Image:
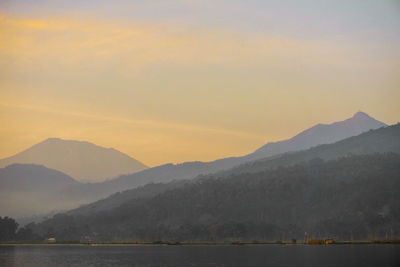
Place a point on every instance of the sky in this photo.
(185, 80)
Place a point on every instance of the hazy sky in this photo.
(174, 81)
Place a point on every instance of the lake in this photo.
(230, 256)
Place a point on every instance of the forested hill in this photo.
(40, 199)
(189, 170)
(354, 195)
(385, 139)
(380, 140)
(320, 134)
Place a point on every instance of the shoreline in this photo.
(191, 244)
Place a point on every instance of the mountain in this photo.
(170, 176)
(82, 160)
(383, 140)
(352, 196)
(320, 134)
(27, 189)
(87, 162)
(316, 135)
(189, 170)
(30, 177)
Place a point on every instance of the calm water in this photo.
(186, 256)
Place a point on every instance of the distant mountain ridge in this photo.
(28, 188)
(82, 160)
(384, 140)
(320, 134)
(381, 140)
(352, 196)
(91, 163)
(22, 177)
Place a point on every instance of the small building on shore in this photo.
(329, 241)
(51, 240)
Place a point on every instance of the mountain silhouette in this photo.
(320, 134)
(28, 188)
(354, 195)
(83, 161)
(381, 140)
(384, 140)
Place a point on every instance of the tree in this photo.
(8, 226)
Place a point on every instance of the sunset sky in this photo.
(184, 80)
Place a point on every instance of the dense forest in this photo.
(376, 141)
(9, 231)
(351, 197)
(382, 140)
(35, 190)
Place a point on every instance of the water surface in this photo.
(185, 256)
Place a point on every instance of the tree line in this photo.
(351, 197)
(10, 232)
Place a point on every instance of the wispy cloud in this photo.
(94, 43)
(165, 81)
(149, 123)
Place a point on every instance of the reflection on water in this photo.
(231, 256)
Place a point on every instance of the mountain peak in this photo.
(79, 159)
(53, 139)
(361, 116)
(321, 134)
(56, 140)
